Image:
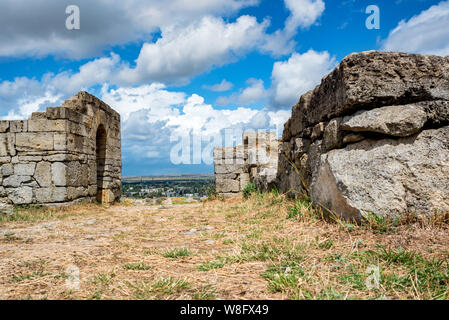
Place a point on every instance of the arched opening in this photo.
(101, 161)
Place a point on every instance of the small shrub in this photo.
(249, 189)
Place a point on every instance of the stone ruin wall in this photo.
(372, 138)
(53, 157)
(254, 161)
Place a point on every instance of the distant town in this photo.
(188, 186)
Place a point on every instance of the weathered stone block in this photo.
(18, 126)
(34, 141)
(44, 125)
(227, 185)
(23, 195)
(43, 174)
(400, 121)
(4, 125)
(387, 177)
(7, 142)
(51, 194)
(7, 169)
(59, 173)
(333, 137)
(16, 180)
(24, 169)
(373, 79)
(73, 176)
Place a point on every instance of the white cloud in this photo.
(183, 51)
(426, 33)
(160, 103)
(152, 114)
(303, 13)
(224, 85)
(29, 105)
(299, 74)
(37, 28)
(254, 92)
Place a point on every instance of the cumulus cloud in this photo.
(156, 115)
(224, 85)
(254, 92)
(304, 13)
(37, 28)
(159, 102)
(299, 74)
(181, 52)
(426, 33)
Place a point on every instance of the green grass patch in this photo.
(178, 253)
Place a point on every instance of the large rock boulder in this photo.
(373, 137)
(387, 177)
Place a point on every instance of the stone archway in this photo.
(101, 162)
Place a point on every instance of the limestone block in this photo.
(6, 159)
(16, 180)
(24, 169)
(43, 174)
(59, 173)
(34, 141)
(227, 185)
(23, 195)
(387, 177)
(78, 129)
(18, 126)
(50, 194)
(76, 192)
(400, 121)
(92, 172)
(24, 158)
(44, 125)
(383, 78)
(4, 125)
(230, 168)
(7, 142)
(60, 141)
(317, 131)
(73, 176)
(38, 116)
(333, 137)
(7, 169)
(92, 190)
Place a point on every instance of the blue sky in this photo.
(186, 68)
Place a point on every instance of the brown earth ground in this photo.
(265, 247)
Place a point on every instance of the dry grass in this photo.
(265, 247)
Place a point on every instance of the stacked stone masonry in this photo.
(65, 154)
(372, 138)
(254, 161)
